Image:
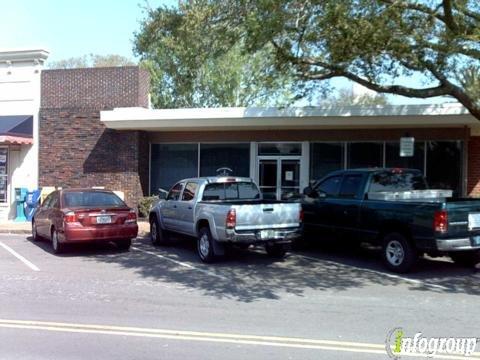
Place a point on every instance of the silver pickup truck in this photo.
(225, 210)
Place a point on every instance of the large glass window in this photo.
(280, 149)
(393, 159)
(365, 155)
(233, 156)
(171, 163)
(325, 158)
(444, 165)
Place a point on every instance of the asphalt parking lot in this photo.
(162, 302)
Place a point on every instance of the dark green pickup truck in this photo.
(395, 209)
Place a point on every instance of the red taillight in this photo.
(131, 217)
(231, 219)
(300, 216)
(70, 217)
(440, 221)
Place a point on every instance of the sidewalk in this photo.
(12, 227)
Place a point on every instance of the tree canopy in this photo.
(190, 67)
(380, 44)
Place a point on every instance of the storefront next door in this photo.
(279, 176)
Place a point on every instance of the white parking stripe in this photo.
(20, 257)
(189, 266)
(391, 276)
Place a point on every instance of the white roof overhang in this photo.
(208, 119)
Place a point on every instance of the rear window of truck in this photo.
(231, 191)
(397, 181)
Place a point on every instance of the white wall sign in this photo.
(407, 146)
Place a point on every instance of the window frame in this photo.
(182, 197)
(317, 186)
(181, 183)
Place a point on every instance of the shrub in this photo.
(145, 204)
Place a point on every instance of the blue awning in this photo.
(16, 125)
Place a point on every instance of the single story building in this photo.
(97, 129)
(19, 108)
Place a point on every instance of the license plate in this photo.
(104, 219)
(267, 234)
(473, 221)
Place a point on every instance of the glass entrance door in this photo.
(279, 177)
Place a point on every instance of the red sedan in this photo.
(84, 215)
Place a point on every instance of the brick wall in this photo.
(76, 149)
(473, 176)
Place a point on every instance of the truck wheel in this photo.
(466, 258)
(57, 246)
(398, 254)
(124, 244)
(205, 246)
(158, 236)
(276, 251)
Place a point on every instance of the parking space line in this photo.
(391, 276)
(19, 257)
(186, 265)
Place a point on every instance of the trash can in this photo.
(31, 203)
(20, 197)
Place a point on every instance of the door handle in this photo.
(174, 206)
(189, 208)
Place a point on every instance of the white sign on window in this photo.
(407, 146)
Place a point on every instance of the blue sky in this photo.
(76, 28)
(72, 28)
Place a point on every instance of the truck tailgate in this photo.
(267, 216)
(463, 216)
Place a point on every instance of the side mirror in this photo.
(162, 194)
(310, 192)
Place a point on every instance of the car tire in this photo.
(124, 244)
(398, 253)
(57, 246)
(276, 251)
(205, 246)
(35, 236)
(466, 258)
(158, 236)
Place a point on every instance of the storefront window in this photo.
(233, 156)
(325, 158)
(444, 165)
(171, 163)
(364, 155)
(267, 149)
(393, 159)
(3, 174)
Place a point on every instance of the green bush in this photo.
(145, 204)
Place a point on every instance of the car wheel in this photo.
(466, 258)
(57, 246)
(205, 246)
(398, 254)
(276, 251)
(35, 236)
(124, 244)
(158, 236)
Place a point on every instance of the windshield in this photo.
(231, 191)
(92, 199)
(397, 180)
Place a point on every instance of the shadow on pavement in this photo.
(249, 275)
